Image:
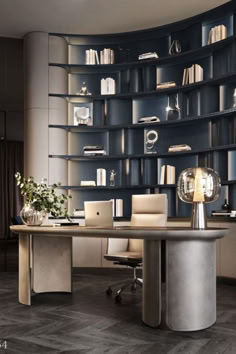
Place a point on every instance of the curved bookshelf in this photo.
(205, 118)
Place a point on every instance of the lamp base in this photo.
(198, 220)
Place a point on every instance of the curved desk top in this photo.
(146, 233)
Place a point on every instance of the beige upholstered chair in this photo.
(147, 210)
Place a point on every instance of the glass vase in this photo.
(32, 217)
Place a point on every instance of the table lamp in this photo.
(198, 185)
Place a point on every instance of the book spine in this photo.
(119, 207)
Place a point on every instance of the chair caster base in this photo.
(109, 291)
(118, 299)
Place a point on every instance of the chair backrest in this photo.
(147, 210)
(98, 213)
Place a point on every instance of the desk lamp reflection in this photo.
(198, 186)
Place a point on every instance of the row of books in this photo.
(93, 150)
(192, 74)
(217, 33)
(106, 56)
(117, 207)
(167, 175)
(108, 86)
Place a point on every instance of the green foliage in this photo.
(43, 197)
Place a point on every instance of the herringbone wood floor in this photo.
(90, 322)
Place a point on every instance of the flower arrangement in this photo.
(43, 197)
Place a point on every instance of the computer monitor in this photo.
(98, 213)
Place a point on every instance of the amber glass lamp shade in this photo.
(198, 185)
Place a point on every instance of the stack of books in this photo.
(101, 177)
(217, 33)
(91, 57)
(88, 183)
(192, 74)
(177, 148)
(117, 207)
(149, 55)
(108, 86)
(163, 85)
(107, 56)
(167, 174)
(93, 150)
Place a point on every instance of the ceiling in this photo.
(18, 17)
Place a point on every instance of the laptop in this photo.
(98, 213)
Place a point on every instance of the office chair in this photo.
(147, 210)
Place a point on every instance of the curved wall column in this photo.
(36, 104)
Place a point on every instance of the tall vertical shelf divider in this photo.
(205, 102)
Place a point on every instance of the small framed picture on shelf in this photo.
(83, 114)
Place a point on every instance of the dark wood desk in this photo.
(45, 265)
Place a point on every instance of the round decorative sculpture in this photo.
(32, 217)
(198, 186)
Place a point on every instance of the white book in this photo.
(103, 87)
(162, 176)
(214, 35)
(191, 74)
(113, 207)
(96, 56)
(112, 56)
(119, 207)
(210, 36)
(223, 32)
(106, 59)
(218, 33)
(184, 77)
(87, 57)
(198, 73)
(102, 56)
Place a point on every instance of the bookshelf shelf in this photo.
(206, 118)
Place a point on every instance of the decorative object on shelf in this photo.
(173, 109)
(217, 33)
(152, 119)
(101, 177)
(84, 91)
(88, 183)
(112, 178)
(198, 185)
(151, 137)
(40, 200)
(192, 74)
(149, 55)
(108, 86)
(92, 150)
(234, 98)
(175, 47)
(107, 56)
(83, 114)
(180, 147)
(165, 85)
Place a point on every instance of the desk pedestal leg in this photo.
(52, 264)
(190, 285)
(152, 283)
(24, 270)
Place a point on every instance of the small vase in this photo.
(32, 217)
